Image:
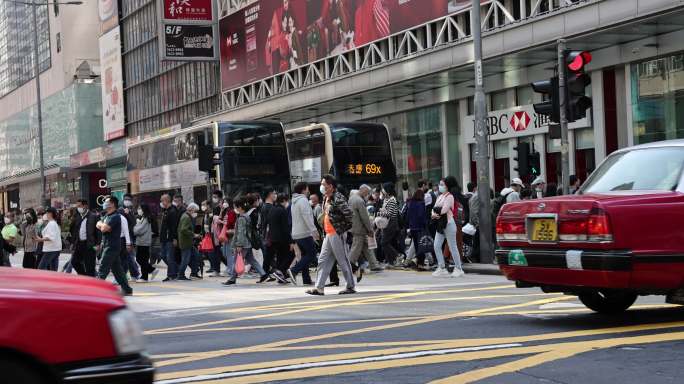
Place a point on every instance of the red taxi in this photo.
(619, 237)
(57, 328)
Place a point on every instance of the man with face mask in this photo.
(110, 226)
(85, 239)
(168, 235)
(281, 240)
(361, 229)
(186, 235)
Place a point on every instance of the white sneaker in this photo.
(154, 274)
(457, 273)
(440, 272)
(140, 280)
(214, 274)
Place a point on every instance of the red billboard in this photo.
(273, 36)
(188, 10)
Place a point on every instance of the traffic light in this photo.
(209, 157)
(523, 159)
(534, 164)
(576, 80)
(550, 107)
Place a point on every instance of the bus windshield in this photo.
(254, 157)
(363, 153)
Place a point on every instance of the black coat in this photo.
(279, 224)
(92, 234)
(168, 230)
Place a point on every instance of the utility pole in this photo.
(482, 142)
(562, 97)
(39, 106)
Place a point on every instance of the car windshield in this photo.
(649, 169)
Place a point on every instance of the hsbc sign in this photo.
(514, 122)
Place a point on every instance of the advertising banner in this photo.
(273, 36)
(112, 85)
(170, 176)
(188, 10)
(514, 122)
(109, 15)
(189, 42)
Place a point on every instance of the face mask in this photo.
(442, 189)
(140, 212)
(215, 200)
(174, 204)
(162, 205)
(193, 215)
(204, 208)
(81, 210)
(45, 217)
(105, 206)
(225, 205)
(128, 203)
(7, 220)
(322, 189)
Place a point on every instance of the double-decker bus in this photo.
(254, 158)
(355, 153)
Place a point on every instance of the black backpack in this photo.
(498, 203)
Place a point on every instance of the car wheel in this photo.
(608, 302)
(14, 371)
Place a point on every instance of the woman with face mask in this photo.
(143, 242)
(447, 228)
(223, 225)
(391, 235)
(28, 229)
(51, 238)
(9, 235)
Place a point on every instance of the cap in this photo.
(538, 180)
(517, 181)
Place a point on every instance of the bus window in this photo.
(307, 155)
(363, 153)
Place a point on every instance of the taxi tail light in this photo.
(510, 229)
(595, 227)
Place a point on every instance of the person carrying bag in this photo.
(447, 220)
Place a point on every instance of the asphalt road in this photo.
(403, 327)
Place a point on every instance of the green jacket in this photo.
(185, 231)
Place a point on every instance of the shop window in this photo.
(499, 100)
(502, 165)
(585, 160)
(658, 99)
(524, 95)
(471, 105)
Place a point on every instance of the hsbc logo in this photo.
(520, 121)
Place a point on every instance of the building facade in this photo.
(71, 104)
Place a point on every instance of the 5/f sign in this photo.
(189, 42)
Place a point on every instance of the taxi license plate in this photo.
(544, 230)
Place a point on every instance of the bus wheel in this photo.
(608, 302)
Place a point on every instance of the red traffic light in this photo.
(577, 60)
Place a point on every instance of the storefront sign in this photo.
(306, 170)
(109, 15)
(110, 151)
(273, 36)
(188, 10)
(170, 176)
(514, 122)
(112, 85)
(188, 42)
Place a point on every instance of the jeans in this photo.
(215, 259)
(111, 261)
(308, 248)
(249, 258)
(50, 261)
(169, 257)
(450, 236)
(187, 259)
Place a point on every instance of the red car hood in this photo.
(16, 282)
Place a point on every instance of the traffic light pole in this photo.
(562, 97)
(482, 145)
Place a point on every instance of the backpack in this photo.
(498, 203)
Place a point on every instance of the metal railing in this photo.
(399, 46)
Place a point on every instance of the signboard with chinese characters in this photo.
(189, 42)
(187, 30)
(363, 169)
(514, 122)
(188, 10)
(112, 85)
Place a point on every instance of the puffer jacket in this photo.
(339, 213)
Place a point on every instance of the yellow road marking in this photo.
(545, 353)
(319, 307)
(511, 306)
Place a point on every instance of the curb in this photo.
(482, 269)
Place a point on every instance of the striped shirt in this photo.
(392, 207)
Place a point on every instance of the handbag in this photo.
(239, 263)
(469, 229)
(381, 222)
(207, 244)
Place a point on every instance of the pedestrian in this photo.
(51, 238)
(128, 262)
(417, 223)
(575, 184)
(186, 236)
(316, 206)
(262, 224)
(224, 229)
(28, 230)
(391, 234)
(40, 213)
(474, 220)
(168, 236)
(304, 233)
(280, 238)
(444, 210)
(9, 236)
(337, 220)
(85, 239)
(143, 242)
(361, 229)
(110, 226)
(241, 243)
(538, 186)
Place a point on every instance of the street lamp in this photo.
(36, 71)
